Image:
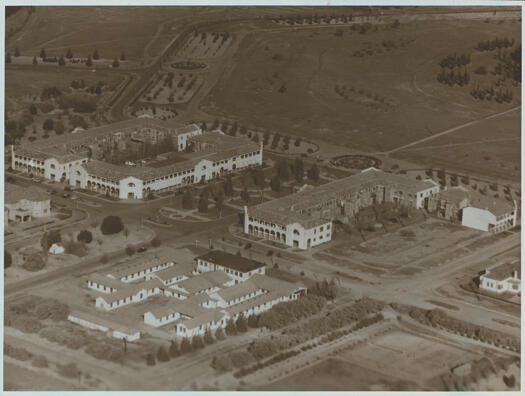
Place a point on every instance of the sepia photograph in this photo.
(262, 198)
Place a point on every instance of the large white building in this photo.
(304, 219)
(75, 159)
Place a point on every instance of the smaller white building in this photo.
(503, 278)
(487, 214)
(237, 267)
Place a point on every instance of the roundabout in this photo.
(355, 161)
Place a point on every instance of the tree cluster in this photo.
(437, 317)
(491, 45)
(453, 77)
(500, 95)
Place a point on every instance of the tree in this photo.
(43, 53)
(174, 349)
(61, 61)
(33, 109)
(208, 337)
(298, 169)
(155, 242)
(69, 53)
(162, 354)
(115, 63)
(297, 142)
(49, 238)
(59, 128)
(253, 321)
(96, 55)
(85, 236)
(123, 56)
(8, 260)
(275, 140)
(314, 173)
(219, 334)
(186, 346)
(150, 360)
(187, 200)
(228, 186)
(258, 178)
(130, 250)
(245, 195)
(203, 202)
(275, 183)
(89, 62)
(241, 324)
(48, 124)
(197, 342)
(111, 225)
(222, 364)
(231, 328)
(35, 262)
(283, 170)
(17, 52)
(35, 62)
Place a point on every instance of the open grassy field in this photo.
(492, 148)
(338, 375)
(286, 80)
(111, 30)
(31, 80)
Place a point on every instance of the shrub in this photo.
(222, 363)
(130, 250)
(39, 361)
(241, 358)
(174, 349)
(219, 334)
(150, 360)
(111, 225)
(52, 309)
(155, 242)
(162, 355)
(8, 260)
(17, 353)
(85, 236)
(186, 346)
(197, 342)
(35, 262)
(208, 337)
(69, 370)
(75, 248)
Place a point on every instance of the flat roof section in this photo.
(231, 261)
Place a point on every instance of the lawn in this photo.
(491, 148)
(338, 375)
(286, 81)
(110, 30)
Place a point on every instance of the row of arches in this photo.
(28, 168)
(102, 188)
(267, 233)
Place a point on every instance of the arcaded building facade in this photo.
(76, 158)
(304, 219)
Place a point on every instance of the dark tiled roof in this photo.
(504, 271)
(15, 193)
(231, 261)
(286, 210)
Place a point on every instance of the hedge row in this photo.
(328, 338)
(437, 317)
